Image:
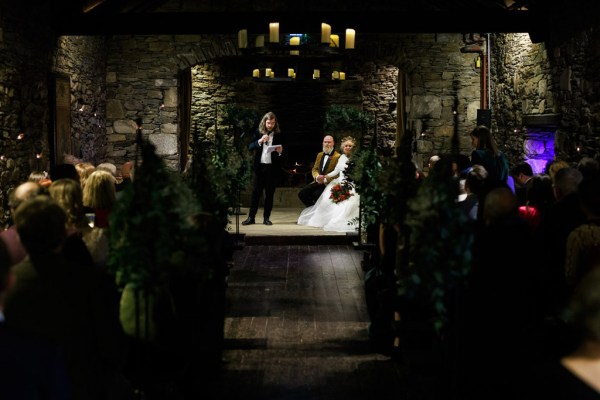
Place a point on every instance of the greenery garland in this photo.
(440, 246)
(150, 229)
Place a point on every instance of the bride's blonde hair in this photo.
(347, 139)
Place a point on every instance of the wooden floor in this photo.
(297, 328)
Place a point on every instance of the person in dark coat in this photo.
(268, 148)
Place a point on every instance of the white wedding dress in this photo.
(334, 217)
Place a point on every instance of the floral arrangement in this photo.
(340, 192)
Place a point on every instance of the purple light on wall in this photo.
(539, 148)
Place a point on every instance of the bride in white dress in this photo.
(326, 214)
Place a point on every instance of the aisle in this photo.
(296, 328)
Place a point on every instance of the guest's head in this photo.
(68, 194)
(588, 167)
(432, 160)
(521, 172)
(40, 223)
(108, 167)
(553, 167)
(566, 181)
(41, 177)
(84, 169)
(127, 170)
(500, 205)
(481, 139)
(475, 182)
(347, 146)
(99, 190)
(589, 196)
(24, 191)
(539, 192)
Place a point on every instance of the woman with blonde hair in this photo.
(99, 195)
(337, 207)
(84, 169)
(68, 194)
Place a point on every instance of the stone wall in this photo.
(26, 48)
(118, 80)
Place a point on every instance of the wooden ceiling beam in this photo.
(232, 22)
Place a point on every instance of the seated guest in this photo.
(21, 193)
(522, 174)
(84, 169)
(59, 301)
(99, 196)
(31, 369)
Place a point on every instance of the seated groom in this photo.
(324, 164)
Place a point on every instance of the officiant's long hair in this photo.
(270, 115)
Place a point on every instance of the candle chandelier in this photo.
(287, 57)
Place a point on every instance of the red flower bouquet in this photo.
(340, 192)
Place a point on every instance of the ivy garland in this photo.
(440, 246)
(150, 229)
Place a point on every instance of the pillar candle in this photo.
(291, 72)
(267, 72)
(316, 74)
(342, 76)
(243, 38)
(255, 73)
(335, 75)
(295, 41)
(260, 41)
(334, 41)
(274, 32)
(325, 32)
(350, 36)
(272, 74)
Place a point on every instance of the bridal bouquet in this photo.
(340, 192)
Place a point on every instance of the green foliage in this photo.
(208, 176)
(362, 171)
(397, 183)
(150, 230)
(239, 120)
(440, 246)
(349, 120)
(221, 168)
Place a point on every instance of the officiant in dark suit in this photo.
(267, 145)
(324, 163)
